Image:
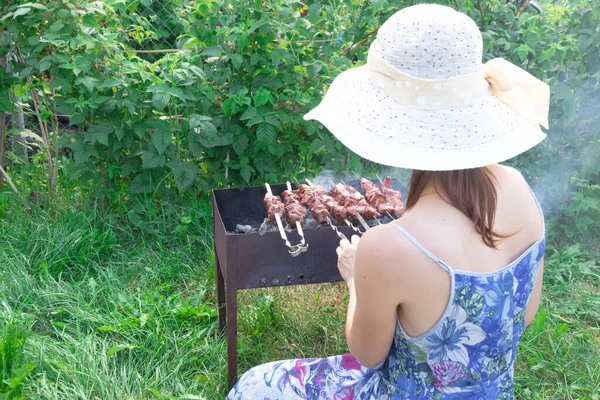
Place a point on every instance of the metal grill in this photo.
(254, 260)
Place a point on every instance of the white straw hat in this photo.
(425, 100)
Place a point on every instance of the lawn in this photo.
(95, 304)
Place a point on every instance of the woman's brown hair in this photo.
(471, 191)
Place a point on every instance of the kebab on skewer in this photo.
(394, 197)
(334, 209)
(375, 197)
(355, 203)
(309, 197)
(296, 213)
(275, 211)
(339, 212)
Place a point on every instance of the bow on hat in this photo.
(519, 90)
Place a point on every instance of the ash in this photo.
(383, 220)
(244, 229)
(309, 223)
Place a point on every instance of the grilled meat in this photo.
(293, 207)
(274, 206)
(375, 197)
(354, 202)
(394, 197)
(309, 197)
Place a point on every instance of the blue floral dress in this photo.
(469, 353)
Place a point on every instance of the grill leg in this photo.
(231, 300)
(221, 306)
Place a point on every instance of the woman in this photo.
(439, 299)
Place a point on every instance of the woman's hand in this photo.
(346, 253)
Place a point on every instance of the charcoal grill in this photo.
(252, 260)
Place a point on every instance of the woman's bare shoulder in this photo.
(390, 251)
(516, 207)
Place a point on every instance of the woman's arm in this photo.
(374, 291)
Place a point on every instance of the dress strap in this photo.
(424, 249)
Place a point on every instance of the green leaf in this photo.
(262, 97)
(184, 173)
(227, 107)
(212, 51)
(107, 328)
(241, 144)
(151, 159)
(246, 173)
(140, 130)
(89, 21)
(77, 119)
(99, 133)
(255, 59)
(119, 133)
(118, 347)
(160, 100)
(196, 149)
(141, 184)
(237, 60)
(196, 120)
(266, 132)
(18, 377)
(255, 120)
(21, 11)
(273, 120)
(44, 65)
(57, 26)
(249, 113)
(25, 72)
(161, 140)
(203, 127)
(216, 140)
(87, 81)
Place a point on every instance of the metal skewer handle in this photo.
(335, 228)
(294, 250)
(302, 244)
(345, 220)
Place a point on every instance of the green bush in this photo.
(226, 108)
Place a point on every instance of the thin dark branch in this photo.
(521, 11)
(523, 7)
(8, 180)
(482, 13)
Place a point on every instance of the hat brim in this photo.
(380, 128)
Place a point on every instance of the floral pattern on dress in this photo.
(468, 354)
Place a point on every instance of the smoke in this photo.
(373, 172)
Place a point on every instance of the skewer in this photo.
(390, 215)
(302, 244)
(355, 229)
(293, 250)
(340, 234)
(358, 216)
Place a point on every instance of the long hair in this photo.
(471, 191)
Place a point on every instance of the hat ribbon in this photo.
(519, 90)
(516, 88)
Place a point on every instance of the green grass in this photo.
(101, 305)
